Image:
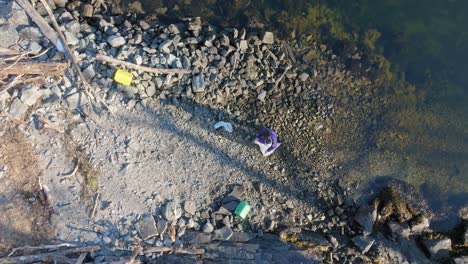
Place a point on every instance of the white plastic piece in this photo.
(264, 148)
(60, 46)
(227, 126)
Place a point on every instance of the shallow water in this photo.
(423, 134)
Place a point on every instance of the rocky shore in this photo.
(151, 180)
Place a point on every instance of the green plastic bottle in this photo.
(242, 209)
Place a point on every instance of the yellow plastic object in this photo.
(123, 77)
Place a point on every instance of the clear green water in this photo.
(423, 135)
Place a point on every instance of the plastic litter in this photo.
(60, 46)
(123, 77)
(242, 209)
(267, 140)
(227, 126)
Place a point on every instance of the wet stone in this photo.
(398, 229)
(365, 217)
(438, 248)
(465, 235)
(419, 224)
(363, 243)
(461, 260)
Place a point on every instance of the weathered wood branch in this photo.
(39, 20)
(58, 256)
(38, 68)
(108, 59)
(41, 247)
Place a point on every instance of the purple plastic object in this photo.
(267, 140)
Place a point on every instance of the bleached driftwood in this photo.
(127, 64)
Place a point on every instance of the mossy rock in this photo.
(400, 201)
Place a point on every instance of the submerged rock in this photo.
(365, 217)
(399, 201)
(438, 248)
(363, 243)
(419, 224)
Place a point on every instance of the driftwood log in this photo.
(55, 256)
(35, 68)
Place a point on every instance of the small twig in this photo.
(108, 59)
(97, 4)
(8, 52)
(69, 53)
(25, 55)
(15, 81)
(58, 39)
(282, 76)
(39, 20)
(44, 193)
(16, 60)
(136, 250)
(86, 86)
(93, 212)
(42, 247)
(46, 257)
(38, 68)
(72, 173)
(172, 232)
(81, 258)
(188, 251)
(49, 124)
